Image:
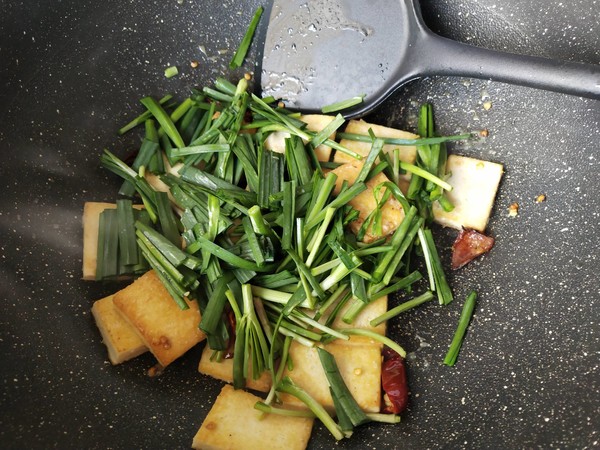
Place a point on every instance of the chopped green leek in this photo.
(240, 54)
(343, 104)
(171, 71)
(288, 386)
(143, 117)
(340, 391)
(465, 318)
(400, 141)
(401, 308)
(128, 252)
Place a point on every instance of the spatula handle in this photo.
(448, 57)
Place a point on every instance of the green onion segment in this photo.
(240, 54)
(459, 335)
(171, 71)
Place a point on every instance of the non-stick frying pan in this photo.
(528, 373)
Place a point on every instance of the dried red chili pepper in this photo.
(468, 245)
(394, 382)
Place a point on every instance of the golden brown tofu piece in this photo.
(167, 330)
(359, 363)
(121, 340)
(366, 202)
(223, 370)
(233, 423)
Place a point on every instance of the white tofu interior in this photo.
(474, 185)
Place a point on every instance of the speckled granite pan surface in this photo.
(528, 375)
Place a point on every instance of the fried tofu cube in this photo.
(121, 340)
(223, 370)
(474, 185)
(233, 423)
(91, 221)
(314, 122)
(167, 330)
(407, 153)
(346, 172)
(365, 203)
(359, 363)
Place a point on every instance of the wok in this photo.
(528, 373)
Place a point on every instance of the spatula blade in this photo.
(318, 52)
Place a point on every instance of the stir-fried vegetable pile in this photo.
(261, 239)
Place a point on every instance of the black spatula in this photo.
(319, 52)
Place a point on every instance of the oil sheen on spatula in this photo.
(319, 52)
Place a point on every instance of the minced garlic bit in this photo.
(540, 198)
(484, 133)
(513, 209)
(247, 76)
(281, 105)
(487, 106)
(358, 371)
(194, 64)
